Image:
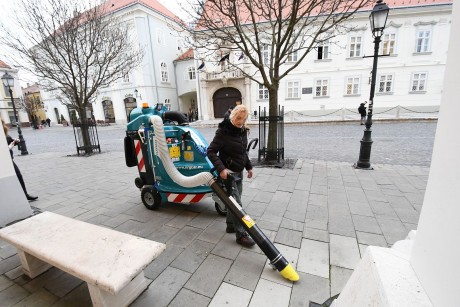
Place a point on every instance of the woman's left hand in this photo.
(250, 173)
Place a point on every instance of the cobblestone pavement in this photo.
(320, 215)
(401, 143)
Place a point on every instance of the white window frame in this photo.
(352, 86)
(293, 89)
(389, 43)
(323, 85)
(191, 73)
(385, 83)
(164, 72)
(419, 80)
(125, 77)
(294, 55)
(423, 40)
(355, 46)
(324, 49)
(262, 92)
(160, 37)
(266, 54)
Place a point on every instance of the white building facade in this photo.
(336, 76)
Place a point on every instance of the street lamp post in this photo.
(8, 81)
(378, 19)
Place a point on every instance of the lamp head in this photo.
(8, 80)
(378, 18)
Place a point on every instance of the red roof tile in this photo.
(187, 55)
(114, 5)
(4, 65)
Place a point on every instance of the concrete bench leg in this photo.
(123, 298)
(31, 265)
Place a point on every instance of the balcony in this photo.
(222, 75)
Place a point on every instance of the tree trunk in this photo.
(85, 131)
(272, 142)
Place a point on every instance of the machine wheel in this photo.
(221, 209)
(151, 198)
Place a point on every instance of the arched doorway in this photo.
(109, 114)
(130, 104)
(223, 99)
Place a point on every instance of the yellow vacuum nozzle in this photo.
(289, 273)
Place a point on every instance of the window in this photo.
(293, 55)
(418, 82)
(160, 37)
(388, 43)
(385, 83)
(323, 51)
(321, 87)
(6, 90)
(352, 86)
(125, 76)
(191, 73)
(266, 54)
(263, 92)
(293, 89)
(164, 72)
(355, 46)
(423, 41)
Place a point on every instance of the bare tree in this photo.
(74, 50)
(268, 33)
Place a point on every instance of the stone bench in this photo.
(109, 261)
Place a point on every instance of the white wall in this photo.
(436, 251)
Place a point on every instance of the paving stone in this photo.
(210, 274)
(289, 237)
(371, 239)
(12, 295)
(117, 220)
(185, 236)
(227, 247)
(189, 299)
(310, 288)
(383, 210)
(366, 224)
(269, 294)
(181, 220)
(317, 199)
(41, 298)
(77, 298)
(10, 263)
(407, 215)
(360, 208)
(191, 258)
(213, 233)
(14, 273)
(339, 277)
(163, 289)
(7, 251)
(295, 215)
(341, 225)
(393, 230)
(5, 283)
(230, 296)
(314, 258)
(256, 208)
(163, 261)
(344, 251)
(292, 224)
(246, 270)
(362, 249)
(62, 284)
(316, 234)
(163, 234)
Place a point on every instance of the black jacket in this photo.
(228, 148)
(9, 139)
(362, 110)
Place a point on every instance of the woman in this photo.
(11, 143)
(228, 154)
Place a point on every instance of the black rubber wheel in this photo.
(151, 198)
(139, 182)
(221, 209)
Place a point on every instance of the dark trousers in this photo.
(237, 191)
(21, 180)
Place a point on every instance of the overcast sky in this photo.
(7, 18)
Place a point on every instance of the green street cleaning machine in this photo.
(173, 166)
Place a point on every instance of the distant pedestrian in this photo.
(362, 111)
(11, 143)
(190, 115)
(48, 121)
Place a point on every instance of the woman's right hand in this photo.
(224, 174)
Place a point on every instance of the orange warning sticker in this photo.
(248, 221)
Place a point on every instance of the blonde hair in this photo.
(240, 109)
(5, 128)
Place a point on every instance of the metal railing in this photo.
(264, 123)
(92, 135)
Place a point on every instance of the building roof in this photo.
(115, 5)
(31, 88)
(187, 55)
(4, 65)
(245, 17)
